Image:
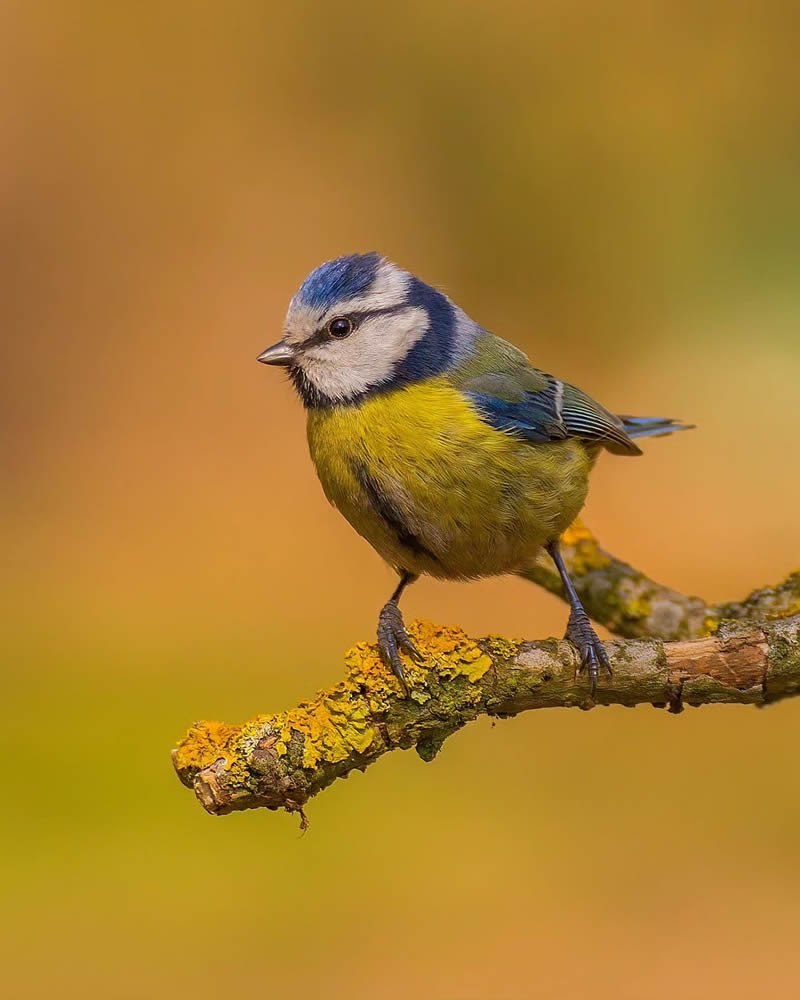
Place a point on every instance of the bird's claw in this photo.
(393, 637)
(591, 650)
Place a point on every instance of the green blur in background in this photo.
(614, 187)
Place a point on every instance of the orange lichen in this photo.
(502, 648)
(629, 601)
(341, 721)
(332, 726)
(204, 745)
(577, 532)
(453, 653)
(587, 554)
(367, 674)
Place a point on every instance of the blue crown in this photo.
(336, 280)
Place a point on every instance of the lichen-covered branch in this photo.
(695, 653)
(632, 605)
(280, 761)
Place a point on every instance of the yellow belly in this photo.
(436, 490)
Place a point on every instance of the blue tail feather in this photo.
(639, 427)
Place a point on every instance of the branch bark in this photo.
(746, 652)
(632, 605)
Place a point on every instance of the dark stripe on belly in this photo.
(384, 507)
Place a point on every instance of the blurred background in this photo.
(614, 188)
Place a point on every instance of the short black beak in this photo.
(279, 354)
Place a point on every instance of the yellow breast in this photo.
(436, 490)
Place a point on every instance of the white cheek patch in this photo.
(341, 369)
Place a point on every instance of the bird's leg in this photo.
(579, 629)
(392, 634)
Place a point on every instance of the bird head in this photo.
(359, 325)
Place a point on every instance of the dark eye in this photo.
(340, 327)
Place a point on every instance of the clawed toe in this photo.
(393, 638)
(592, 652)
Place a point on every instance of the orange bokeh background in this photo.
(616, 192)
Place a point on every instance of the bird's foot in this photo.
(592, 652)
(392, 637)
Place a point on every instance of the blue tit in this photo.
(438, 441)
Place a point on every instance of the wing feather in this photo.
(523, 401)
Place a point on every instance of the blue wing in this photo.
(531, 413)
(528, 403)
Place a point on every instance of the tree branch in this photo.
(632, 605)
(746, 653)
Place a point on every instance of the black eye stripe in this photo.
(365, 313)
(321, 335)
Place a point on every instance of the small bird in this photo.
(438, 441)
